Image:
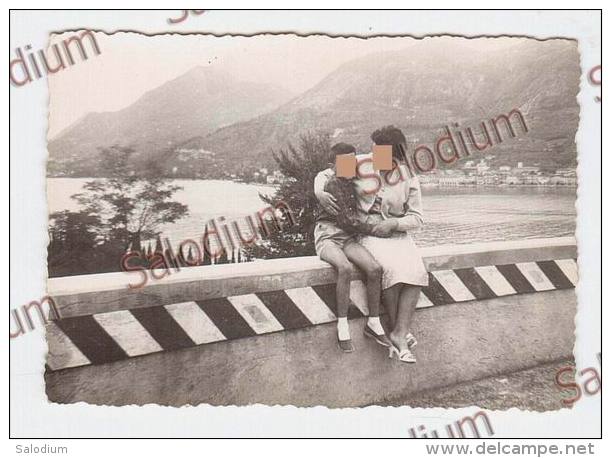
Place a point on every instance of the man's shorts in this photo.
(326, 233)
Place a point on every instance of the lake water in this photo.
(478, 214)
(452, 215)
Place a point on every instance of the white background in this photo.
(31, 414)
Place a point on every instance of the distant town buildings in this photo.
(481, 173)
(262, 175)
(276, 177)
(472, 173)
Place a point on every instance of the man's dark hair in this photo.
(341, 148)
(390, 135)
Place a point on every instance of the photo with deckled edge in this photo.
(197, 244)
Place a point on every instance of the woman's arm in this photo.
(347, 219)
(413, 217)
(352, 225)
(385, 228)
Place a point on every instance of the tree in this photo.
(73, 243)
(118, 212)
(300, 166)
(130, 206)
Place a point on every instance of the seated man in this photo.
(336, 241)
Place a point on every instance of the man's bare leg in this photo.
(363, 259)
(335, 256)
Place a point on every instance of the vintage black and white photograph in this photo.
(307, 221)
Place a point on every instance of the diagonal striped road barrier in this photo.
(106, 337)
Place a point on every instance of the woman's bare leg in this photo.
(408, 299)
(390, 299)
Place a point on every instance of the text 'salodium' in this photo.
(451, 147)
(160, 262)
(52, 313)
(589, 378)
(34, 65)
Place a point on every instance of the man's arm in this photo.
(325, 199)
(321, 180)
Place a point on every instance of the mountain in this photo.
(205, 124)
(421, 89)
(194, 104)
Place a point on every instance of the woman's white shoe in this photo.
(404, 356)
(411, 340)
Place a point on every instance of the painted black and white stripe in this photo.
(113, 336)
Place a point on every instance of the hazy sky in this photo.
(131, 64)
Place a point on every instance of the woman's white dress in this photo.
(400, 259)
(398, 255)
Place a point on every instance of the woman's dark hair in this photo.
(390, 135)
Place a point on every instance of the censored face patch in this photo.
(382, 157)
(345, 165)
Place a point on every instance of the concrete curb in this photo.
(110, 336)
(303, 367)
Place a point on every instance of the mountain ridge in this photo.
(421, 89)
(193, 104)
